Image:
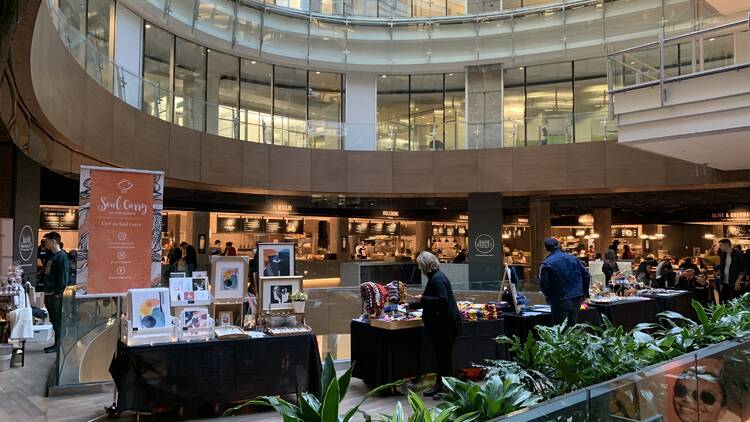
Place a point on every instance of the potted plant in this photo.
(298, 301)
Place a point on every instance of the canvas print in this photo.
(276, 292)
(229, 276)
(225, 318)
(149, 308)
(276, 259)
(195, 318)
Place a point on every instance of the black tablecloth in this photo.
(629, 313)
(522, 324)
(381, 356)
(217, 371)
(680, 302)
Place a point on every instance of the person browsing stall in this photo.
(732, 271)
(609, 267)
(442, 321)
(564, 281)
(55, 280)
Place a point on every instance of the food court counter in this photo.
(353, 273)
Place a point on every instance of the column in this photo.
(201, 223)
(423, 232)
(541, 228)
(485, 241)
(603, 227)
(338, 232)
(649, 246)
(361, 111)
(484, 107)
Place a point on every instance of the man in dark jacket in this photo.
(55, 280)
(564, 281)
(732, 271)
(442, 321)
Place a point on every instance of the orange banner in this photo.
(120, 230)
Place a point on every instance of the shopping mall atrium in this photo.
(208, 202)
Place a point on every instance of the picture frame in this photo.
(195, 318)
(275, 293)
(186, 291)
(226, 318)
(149, 309)
(229, 277)
(276, 259)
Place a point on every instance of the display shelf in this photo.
(396, 325)
(132, 337)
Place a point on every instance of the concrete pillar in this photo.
(424, 232)
(361, 111)
(484, 106)
(485, 239)
(603, 227)
(649, 246)
(338, 233)
(541, 228)
(199, 228)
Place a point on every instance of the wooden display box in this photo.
(396, 325)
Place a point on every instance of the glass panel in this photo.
(361, 7)
(98, 58)
(549, 104)
(256, 102)
(411, 44)
(627, 24)
(495, 39)
(591, 100)
(539, 33)
(285, 36)
(368, 45)
(75, 14)
(453, 42)
(248, 28)
(678, 17)
(324, 108)
(293, 4)
(572, 407)
(222, 94)
(183, 11)
(427, 113)
(215, 17)
(455, 7)
(290, 107)
(394, 8)
(718, 51)
(393, 112)
(584, 27)
(189, 84)
(328, 7)
(722, 374)
(157, 65)
(327, 42)
(428, 8)
(514, 103)
(455, 121)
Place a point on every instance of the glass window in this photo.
(427, 113)
(215, 17)
(222, 94)
(189, 84)
(328, 7)
(394, 8)
(393, 112)
(73, 33)
(98, 59)
(256, 102)
(428, 8)
(549, 104)
(157, 65)
(591, 100)
(290, 107)
(455, 122)
(324, 109)
(248, 28)
(361, 7)
(514, 107)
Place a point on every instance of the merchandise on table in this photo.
(373, 298)
(479, 311)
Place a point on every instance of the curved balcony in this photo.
(569, 29)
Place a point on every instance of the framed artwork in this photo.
(275, 292)
(200, 274)
(149, 308)
(189, 291)
(225, 318)
(192, 318)
(276, 259)
(229, 276)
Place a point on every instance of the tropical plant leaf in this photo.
(329, 410)
(344, 382)
(329, 373)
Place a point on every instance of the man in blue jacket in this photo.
(564, 281)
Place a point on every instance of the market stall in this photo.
(626, 311)
(523, 323)
(679, 301)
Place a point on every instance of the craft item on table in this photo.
(396, 292)
(479, 311)
(150, 308)
(225, 318)
(281, 331)
(192, 318)
(15, 274)
(373, 298)
(230, 332)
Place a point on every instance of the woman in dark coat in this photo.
(442, 321)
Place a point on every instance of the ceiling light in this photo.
(450, 74)
(252, 62)
(520, 68)
(383, 76)
(709, 236)
(711, 39)
(317, 72)
(148, 26)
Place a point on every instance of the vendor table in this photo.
(629, 312)
(381, 356)
(679, 301)
(522, 324)
(192, 374)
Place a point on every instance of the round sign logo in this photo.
(26, 243)
(484, 244)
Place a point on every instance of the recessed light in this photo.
(317, 72)
(148, 26)
(252, 62)
(711, 39)
(450, 74)
(520, 68)
(383, 76)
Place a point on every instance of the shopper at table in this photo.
(687, 263)
(609, 267)
(564, 281)
(627, 253)
(689, 280)
(643, 273)
(732, 271)
(665, 275)
(55, 280)
(442, 321)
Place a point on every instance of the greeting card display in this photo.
(196, 324)
(189, 291)
(229, 277)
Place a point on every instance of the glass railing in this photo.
(230, 121)
(716, 49)
(708, 385)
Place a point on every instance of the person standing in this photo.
(56, 278)
(627, 253)
(230, 250)
(216, 249)
(442, 321)
(732, 271)
(360, 252)
(610, 268)
(191, 257)
(564, 281)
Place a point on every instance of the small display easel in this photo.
(511, 287)
(191, 298)
(152, 322)
(229, 289)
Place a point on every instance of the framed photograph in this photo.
(189, 291)
(193, 318)
(149, 308)
(276, 259)
(275, 293)
(229, 277)
(225, 318)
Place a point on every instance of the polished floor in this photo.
(23, 398)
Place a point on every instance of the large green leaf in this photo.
(309, 407)
(702, 317)
(344, 382)
(329, 410)
(353, 411)
(329, 373)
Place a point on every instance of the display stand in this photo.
(191, 334)
(133, 337)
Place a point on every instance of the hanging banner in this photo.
(119, 229)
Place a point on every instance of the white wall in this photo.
(361, 111)
(128, 44)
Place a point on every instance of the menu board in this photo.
(228, 225)
(625, 232)
(236, 225)
(294, 226)
(275, 226)
(358, 228)
(253, 225)
(58, 219)
(391, 228)
(736, 231)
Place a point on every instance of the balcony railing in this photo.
(717, 49)
(247, 125)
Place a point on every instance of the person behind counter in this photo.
(564, 281)
(191, 257)
(216, 249)
(442, 321)
(230, 250)
(627, 253)
(460, 257)
(665, 275)
(360, 251)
